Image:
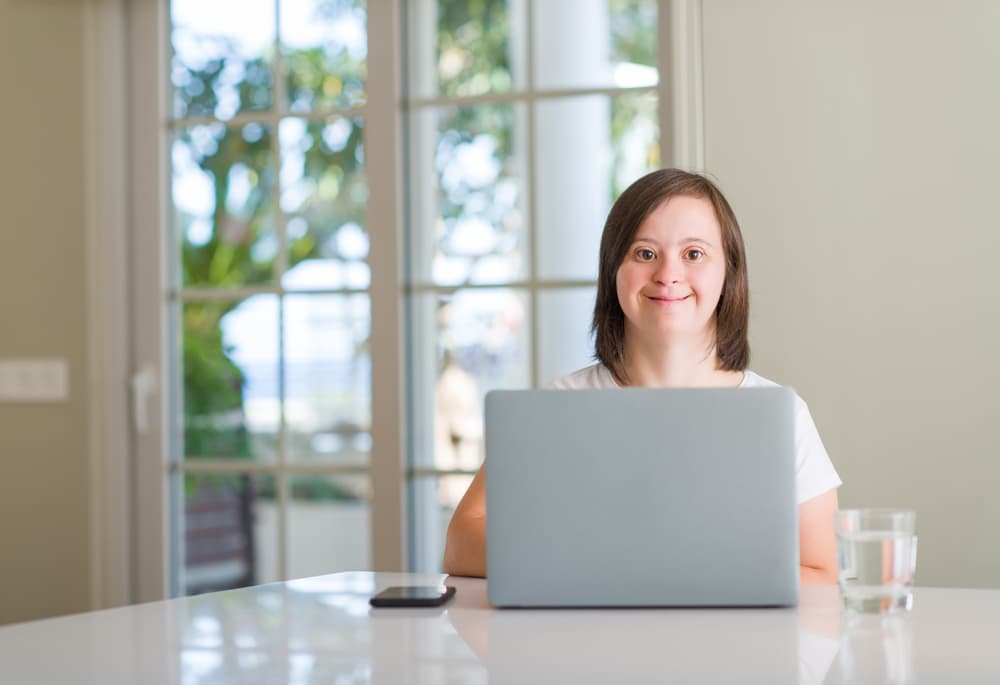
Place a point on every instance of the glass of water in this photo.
(877, 557)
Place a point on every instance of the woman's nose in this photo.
(667, 271)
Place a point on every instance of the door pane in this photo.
(221, 66)
(229, 535)
(329, 524)
(437, 497)
(222, 180)
(324, 195)
(577, 183)
(574, 189)
(564, 340)
(635, 138)
(465, 48)
(612, 44)
(328, 378)
(230, 375)
(325, 47)
(468, 219)
(470, 342)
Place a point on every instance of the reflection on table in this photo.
(618, 645)
(322, 629)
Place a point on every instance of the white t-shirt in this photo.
(814, 473)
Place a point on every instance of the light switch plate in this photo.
(34, 380)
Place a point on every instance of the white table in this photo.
(322, 630)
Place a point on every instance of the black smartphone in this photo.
(412, 596)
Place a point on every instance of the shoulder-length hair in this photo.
(629, 211)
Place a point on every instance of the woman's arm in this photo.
(817, 541)
(465, 546)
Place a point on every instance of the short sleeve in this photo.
(814, 472)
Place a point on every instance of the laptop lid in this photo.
(641, 497)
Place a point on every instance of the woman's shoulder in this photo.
(815, 471)
(755, 380)
(593, 377)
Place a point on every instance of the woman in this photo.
(672, 311)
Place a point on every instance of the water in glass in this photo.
(876, 569)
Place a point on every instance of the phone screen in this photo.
(412, 592)
(413, 595)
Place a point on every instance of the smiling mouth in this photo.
(669, 300)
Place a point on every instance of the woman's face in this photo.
(672, 276)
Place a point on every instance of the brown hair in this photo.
(629, 211)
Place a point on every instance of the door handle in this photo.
(143, 384)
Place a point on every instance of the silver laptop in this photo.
(641, 497)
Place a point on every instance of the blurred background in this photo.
(281, 250)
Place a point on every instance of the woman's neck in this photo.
(687, 363)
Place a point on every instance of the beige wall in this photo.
(858, 142)
(44, 496)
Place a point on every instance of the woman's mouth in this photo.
(668, 300)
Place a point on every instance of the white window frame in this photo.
(148, 28)
(126, 65)
(680, 120)
(106, 114)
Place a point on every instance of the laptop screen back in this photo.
(641, 497)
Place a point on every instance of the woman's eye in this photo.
(694, 254)
(645, 254)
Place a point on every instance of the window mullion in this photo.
(530, 174)
(281, 265)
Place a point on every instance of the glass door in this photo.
(525, 119)
(268, 278)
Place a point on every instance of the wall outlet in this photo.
(34, 380)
